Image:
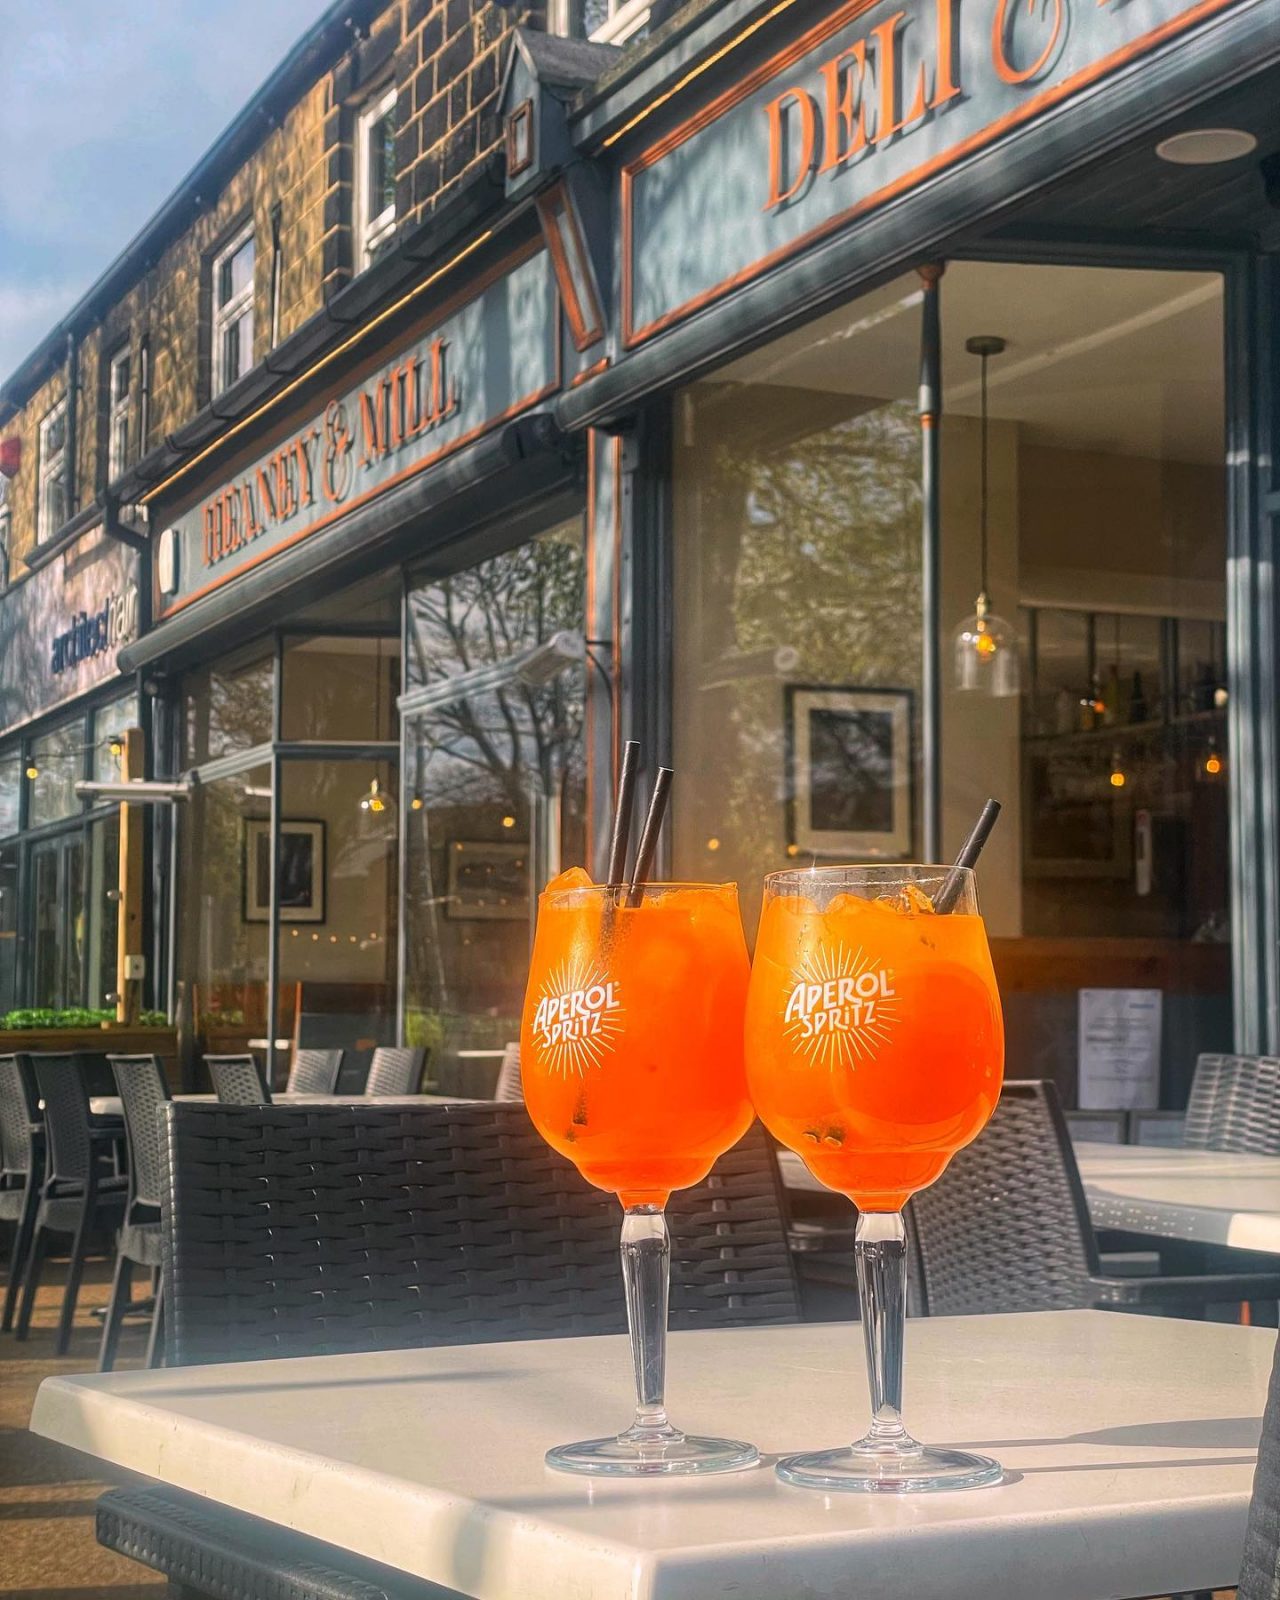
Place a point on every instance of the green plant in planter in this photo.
(29, 1018)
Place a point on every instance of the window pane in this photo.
(58, 761)
(341, 688)
(120, 379)
(8, 929)
(103, 909)
(227, 708)
(235, 273)
(10, 792)
(382, 165)
(110, 722)
(797, 600)
(53, 433)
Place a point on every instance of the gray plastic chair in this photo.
(238, 1080)
(143, 1093)
(21, 1167)
(314, 1072)
(1260, 1574)
(509, 1085)
(395, 1070)
(81, 1191)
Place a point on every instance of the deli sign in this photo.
(489, 356)
(870, 102)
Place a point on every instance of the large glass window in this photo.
(341, 686)
(797, 601)
(110, 723)
(493, 783)
(10, 868)
(227, 707)
(56, 765)
(233, 310)
(11, 770)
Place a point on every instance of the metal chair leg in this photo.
(75, 1270)
(121, 1298)
(155, 1339)
(21, 1248)
(31, 1280)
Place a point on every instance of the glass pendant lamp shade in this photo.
(377, 812)
(985, 653)
(984, 647)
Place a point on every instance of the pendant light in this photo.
(985, 646)
(377, 816)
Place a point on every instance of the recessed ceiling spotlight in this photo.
(1206, 147)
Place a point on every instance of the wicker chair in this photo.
(295, 1230)
(1234, 1105)
(1006, 1228)
(80, 1193)
(395, 1071)
(1260, 1574)
(363, 1227)
(238, 1080)
(21, 1167)
(143, 1091)
(509, 1086)
(314, 1071)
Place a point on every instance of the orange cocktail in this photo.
(875, 1050)
(631, 1049)
(631, 1058)
(875, 1044)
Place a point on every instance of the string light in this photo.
(713, 844)
(508, 822)
(33, 771)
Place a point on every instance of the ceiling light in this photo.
(1206, 147)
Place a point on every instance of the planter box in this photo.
(113, 1037)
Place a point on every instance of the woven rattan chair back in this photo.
(509, 1085)
(60, 1084)
(395, 1070)
(1260, 1572)
(1234, 1105)
(143, 1090)
(315, 1071)
(295, 1230)
(19, 1117)
(238, 1080)
(1006, 1227)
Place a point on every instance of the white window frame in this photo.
(50, 465)
(371, 232)
(223, 317)
(118, 413)
(6, 543)
(625, 18)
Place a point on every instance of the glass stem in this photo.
(880, 1249)
(646, 1272)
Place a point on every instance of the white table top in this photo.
(1215, 1197)
(1211, 1196)
(109, 1105)
(1129, 1444)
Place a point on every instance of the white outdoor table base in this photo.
(1130, 1444)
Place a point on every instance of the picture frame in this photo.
(302, 870)
(487, 881)
(850, 772)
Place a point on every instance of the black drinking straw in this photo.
(952, 884)
(622, 814)
(649, 836)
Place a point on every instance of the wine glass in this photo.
(640, 1102)
(875, 1051)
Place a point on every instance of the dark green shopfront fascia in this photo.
(691, 438)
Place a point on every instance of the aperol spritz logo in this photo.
(841, 1008)
(578, 1018)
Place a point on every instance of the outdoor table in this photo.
(1129, 1445)
(109, 1105)
(1209, 1196)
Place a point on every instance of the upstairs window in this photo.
(51, 475)
(6, 534)
(118, 397)
(233, 311)
(606, 21)
(375, 218)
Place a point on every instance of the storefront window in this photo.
(9, 870)
(797, 601)
(11, 767)
(57, 762)
(227, 707)
(341, 687)
(493, 782)
(109, 725)
(104, 906)
(61, 921)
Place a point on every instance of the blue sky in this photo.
(103, 109)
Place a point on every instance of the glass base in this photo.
(666, 1452)
(865, 1468)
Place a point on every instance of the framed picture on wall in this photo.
(302, 871)
(850, 775)
(488, 882)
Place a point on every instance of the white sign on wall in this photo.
(1119, 1049)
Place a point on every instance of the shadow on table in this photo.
(1206, 1433)
(273, 1385)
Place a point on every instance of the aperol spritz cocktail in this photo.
(875, 1051)
(632, 1064)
